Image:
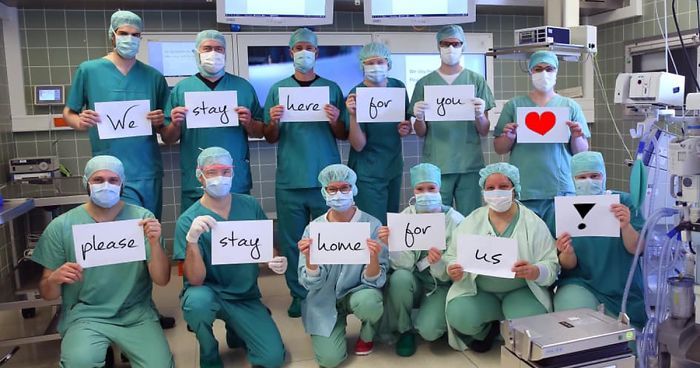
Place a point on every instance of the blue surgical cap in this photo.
(209, 34)
(451, 31)
(303, 35)
(213, 156)
(425, 173)
(124, 18)
(375, 49)
(337, 172)
(504, 168)
(587, 162)
(103, 162)
(546, 57)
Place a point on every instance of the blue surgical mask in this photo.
(304, 60)
(589, 186)
(499, 200)
(218, 186)
(339, 201)
(105, 195)
(127, 46)
(376, 73)
(428, 202)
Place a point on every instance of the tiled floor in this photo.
(276, 297)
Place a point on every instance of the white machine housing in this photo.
(655, 88)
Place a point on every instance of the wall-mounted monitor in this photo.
(275, 12)
(408, 12)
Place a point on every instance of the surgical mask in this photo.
(211, 64)
(544, 81)
(499, 200)
(127, 46)
(304, 60)
(339, 201)
(450, 55)
(428, 202)
(105, 195)
(376, 73)
(218, 186)
(589, 186)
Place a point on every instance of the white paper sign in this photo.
(416, 231)
(215, 109)
(380, 105)
(234, 242)
(449, 103)
(108, 243)
(339, 242)
(487, 255)
(543, 125)
(586, 215)
(304, 103)
(121, 119)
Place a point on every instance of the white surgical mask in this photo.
(450, 55)
(376, 73)
(339, 201)
(304, 60)
(544, 81)
(428, 202)
(499, 200)
(105, 195)
(589, 186)
(127, 46)
(218, 186)
(211, 64)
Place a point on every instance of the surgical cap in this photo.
(303, 35)
(338, 172)
(546, 57)
(124, 18)
(503, 168)
(103, 162)
(210, 34)
(451, 31)
(213, 156)
(425, 173)
(375, 49)
(587, 162)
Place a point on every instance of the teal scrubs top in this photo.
(454, 146)
(118, 294)
(545, 168)
(382, 156)
(304, 148)
(233, 139)
(99, 80)
(230, 282)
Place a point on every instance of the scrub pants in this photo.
(463, 189)
(574, 296)
(472, 315)
(366, 305)
(147, 193)
(85, 344)
(378, 196)
(405, 291)
(248, 319)
(544, 208)
(295, 209)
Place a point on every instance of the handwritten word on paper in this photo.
(339, 242)
(234, 242)
(213, 109)
(449, 103)
(586, 215)
(108, 243)
(487, 255)
(304, 103)
(416, 231)
(380, 105)
(543, 124)
(122, 119)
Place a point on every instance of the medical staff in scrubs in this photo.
(454, 146)
(336, 290)
(375, 153)
(120, 77)
(476, 303)
(304, 149)
(228, 292)
(419, 278)
(595, 269)
(109, 304)
(210, 56)
(545, 167)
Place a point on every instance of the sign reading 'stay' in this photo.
(543, 124)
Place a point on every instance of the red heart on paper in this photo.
(540, 124)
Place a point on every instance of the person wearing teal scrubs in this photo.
(109, 304)
(476, 303)
(545, 167)
(375, 153)
(336, 290)
(419, 278)
(595, 269)
(225, 291)
(211, 60)
(120, 77)
(303, 150)
(454, 146)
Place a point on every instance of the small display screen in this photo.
(49, 95)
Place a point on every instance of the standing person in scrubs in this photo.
(476, 303)
(229, 292)
(336, 290)
(304, 149)
(110, 304)
(375, 153)
(546, 167)
(211, 60)
(420, 277)
(454, 146)
(120, 77)
(595, 269)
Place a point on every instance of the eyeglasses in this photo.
(344, 189)
(446, 44)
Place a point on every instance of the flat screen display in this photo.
(173, 58)
(413, 9)
(275, 8)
